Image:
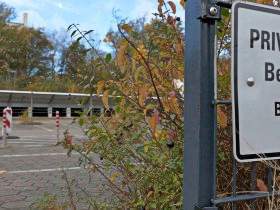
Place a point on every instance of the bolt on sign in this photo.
(256, 81)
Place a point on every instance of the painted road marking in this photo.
(41, 170)
(29, 139)
(38, 145)
(31, 142)
(49, 137)
(40, 136)
(43, 128)
(36, 155)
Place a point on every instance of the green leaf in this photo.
(118, 109)
(73, 33)
(108, 58)
(88, 32)
(69, 27)
(79, 39)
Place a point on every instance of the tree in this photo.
(6, 13)
(141, 145)
(25, 51)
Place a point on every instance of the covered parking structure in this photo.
(47, 103)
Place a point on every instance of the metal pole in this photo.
(215, 117)
(270, 179)
(253, 182)
(234, 182)
(199, 160)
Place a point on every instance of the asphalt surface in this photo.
(31, 166)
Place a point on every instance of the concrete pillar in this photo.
(68, 112)
(90, 104)
(102, 110)
(30, 109)
(30, 112)
(49, 112)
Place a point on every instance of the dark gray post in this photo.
(199, 157)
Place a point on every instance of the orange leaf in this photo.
(263, 1)
(154, 121)
(126, 28)
(182, 2)
(121, 57)
(105, 99)
(149, 194)
(173, 6)
(100, 86)
(160, 2)
(166, 104)
(261, 186)
(170, 20)
(175, 107)
(143, 93)
(222, 118)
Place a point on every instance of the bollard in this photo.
(57, 121)
(8, 120)
(4, 133)
(69, 138)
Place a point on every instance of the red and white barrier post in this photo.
(57, 121)
(4, 131)
(9, 117)
(6, 125)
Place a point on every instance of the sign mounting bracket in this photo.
(210, 11)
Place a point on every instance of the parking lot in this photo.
(31, 165)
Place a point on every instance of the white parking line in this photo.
(34, 139)
(32, 142)
(40, 136)
(41, 170)
(43, 128)
(38, 145)
(36, 155)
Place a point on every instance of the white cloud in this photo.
(143, 8)
(57, 22)
(22, 3)
(147, 8)
(60, 5)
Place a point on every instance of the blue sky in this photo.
(90, 14)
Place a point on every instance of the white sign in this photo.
(256, 81)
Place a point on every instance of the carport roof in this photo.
(45, 99)
(44, 93)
